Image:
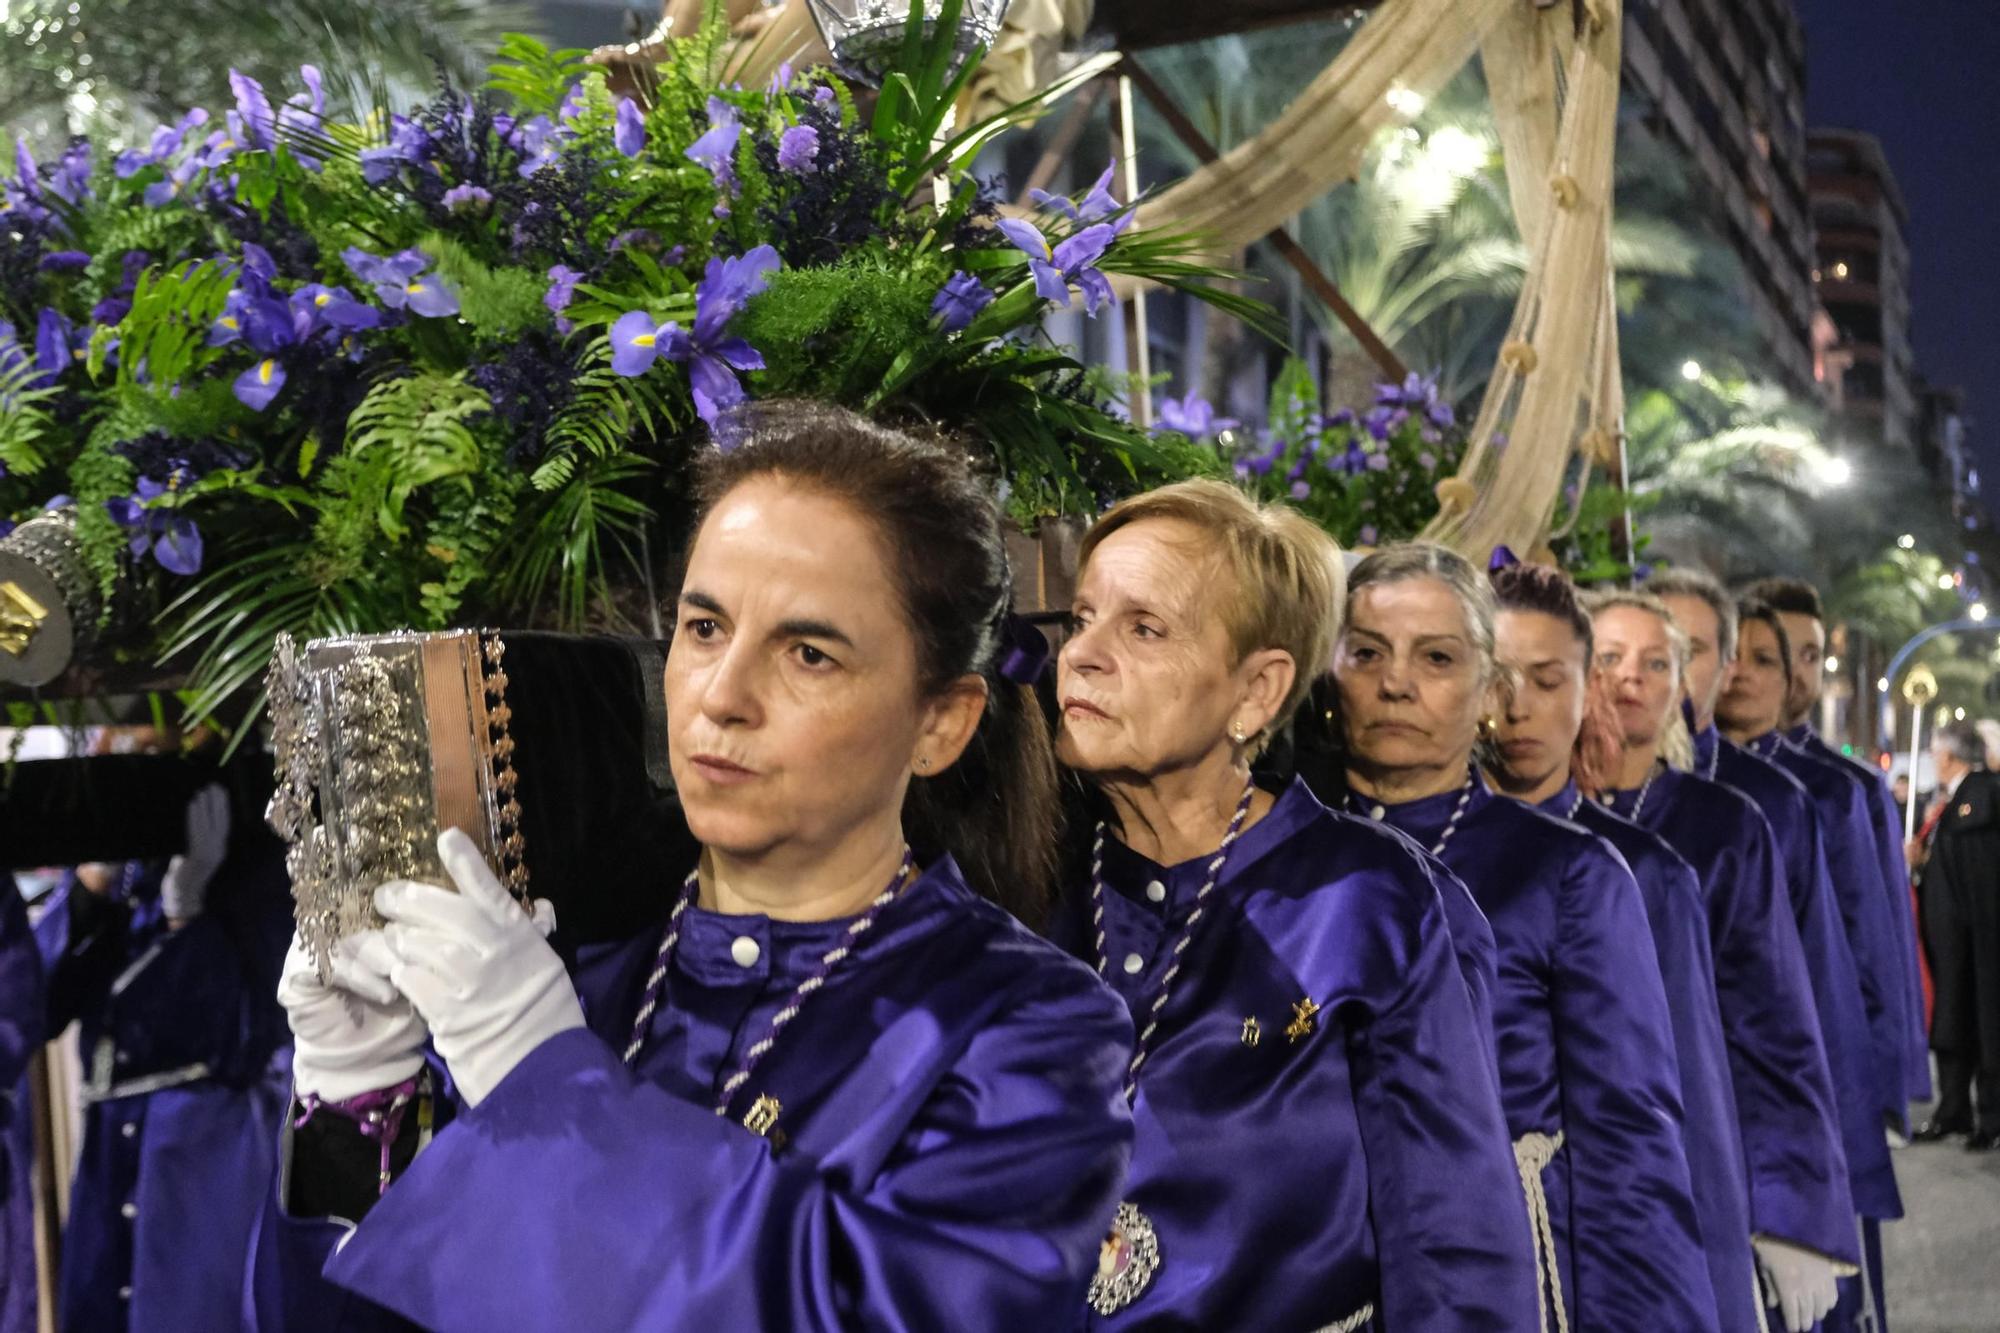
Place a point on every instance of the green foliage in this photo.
(834, 332)
(534, 77)
(164, 336)
(406, 435)
(497, 303)
(26, 427)
(591, 531)
(608, 414)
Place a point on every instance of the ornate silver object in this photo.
(49, 603)
(1126, 1263)
(381, 742)
(866, 35)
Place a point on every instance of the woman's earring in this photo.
(1236, 734)
(1488, 727)
(923, 763)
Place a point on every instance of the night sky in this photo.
(1924, 76)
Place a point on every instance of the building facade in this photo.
(1863, 275)
(1724, 81)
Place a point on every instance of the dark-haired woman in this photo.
(843, 1088)
(1554, 748)
(1587, 1071)
(1320, 1142)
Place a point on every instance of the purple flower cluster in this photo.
(827, 190)
(713, 360)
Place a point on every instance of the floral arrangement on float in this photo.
(1367, 475)
(274, 372)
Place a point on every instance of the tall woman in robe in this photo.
(1587, 1068)
(844, 1088)
(1320, 1140)
(1555, 747)
(1800, 1206)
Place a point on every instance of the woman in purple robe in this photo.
(1800, 1205)
(844, 1087)
(1320, 1138)
(1553, 749)
(1587, 1069)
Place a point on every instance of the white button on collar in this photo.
(1134, 964)
(745, 951)
(1377, 811)
(129, 1211)
(129, 1128)
(1156, 892)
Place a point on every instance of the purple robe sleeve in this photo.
(1791, 1134)
(1431, 1126)
(598, 1200)
(21, 996)
(1887, 825)
(1638, 1258)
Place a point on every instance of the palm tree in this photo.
(119, 66)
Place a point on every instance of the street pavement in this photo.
(1943, 1258)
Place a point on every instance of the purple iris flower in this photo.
(61, 260)
(1192, 416)
(1369, 534)
(798, 150)
(58, 344)
(321, 307)
(1072, 262)
(1301, 490)
(403, 282)
(175, 183)
(409, 146)
(257, 386)
(173, 541)
(562, 290)
(781, 80)
(641, 238)
(628, 131)
(467, 199)
(254, 107)
(571, 105)
(959, 301)
(716, 149)
(305, 112)
(538, 141)
(824, 94)
(70, 181)
(1380, 421)
(1354, 461)
(110, 310)
(1095, 206)
(24, 190)
(713, 361)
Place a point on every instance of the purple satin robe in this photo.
(954, 1142)
(1586, 1052)
(1840, 996)
(1672, 894)
(1784, 1094)
(1318, 1167)
(22, 1029)
(184, 1028)
(1847, 824)
(1886, 824)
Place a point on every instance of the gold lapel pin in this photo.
(1305, 1019)
(1253, 1031)
(762, 1117)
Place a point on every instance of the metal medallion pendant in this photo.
(1126, 1262)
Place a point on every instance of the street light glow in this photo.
(1945, 583)
(1978, 611)
(1958, 714)
(1907, 541)
(1837, 472)
(1405, 101)
(1832, 664)
(1691, 371)
(1882, 685)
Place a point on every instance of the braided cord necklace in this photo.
(1144, 1045)
(663, 963)
(1378, 811)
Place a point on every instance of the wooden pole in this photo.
(1138, 347)
(1280, 240)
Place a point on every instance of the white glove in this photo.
(352, 1035)
(185, 887)
(1798, 1283)
(475, 965)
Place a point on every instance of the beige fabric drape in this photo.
(1405, 47)
(1557, 378)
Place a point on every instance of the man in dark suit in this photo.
(1959, 895)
